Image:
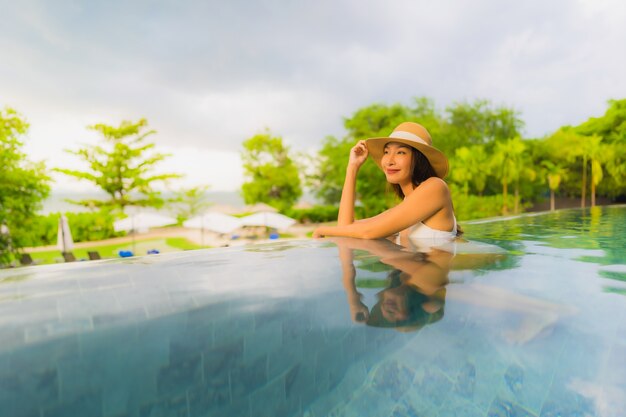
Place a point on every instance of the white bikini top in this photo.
(424, 237)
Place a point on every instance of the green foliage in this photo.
(611, 126)
(471, 207)
(477, 123)
(182, 243)
(122, 167)
(23, 186)
(190, 202)
(316, 214)
(108, 250)
(467, 134)
(85, 227)
(272, 175)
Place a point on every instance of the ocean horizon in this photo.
(57, 201)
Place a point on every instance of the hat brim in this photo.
(437, 159)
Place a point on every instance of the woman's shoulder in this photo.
(434, 184)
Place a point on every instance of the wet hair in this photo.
(421, 170)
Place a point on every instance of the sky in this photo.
(208, 75)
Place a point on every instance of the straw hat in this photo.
(414, 135)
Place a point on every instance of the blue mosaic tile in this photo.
(23, 393)
(190, 343)
(178, 376)
(43, 355)
(562, 399)
(295, 326)
(392, 379)
(465, 383)
(232, 328)
(247, 377)
(214, 400)
(283, 359)
(270, 401)
(368, 402)
(88, 404)
(170, 407)
(433, 384)
(263, 340)
(300, 383)
(459, 407)
(504, 408)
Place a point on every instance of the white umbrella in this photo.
(142, 221)
(261, 207)
(215, 222)
(65, 243)
(268, 219)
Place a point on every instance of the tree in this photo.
(510, 164)
(23, 186)
(611, 127)
(597, 152)
(272, 175)
(555, 174)
(478, 123)
(470, 166)
(190, 202)
(122, 167)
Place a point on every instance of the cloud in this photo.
(208, 75)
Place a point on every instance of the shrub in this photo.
(315, 214)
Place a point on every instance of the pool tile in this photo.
(247, 377)
(269, 400)
(392, 379)
(282, 359)
(169, 406)
(87, 404)
(433, 384)
(504, 408)
(211, 400)
(178, 376)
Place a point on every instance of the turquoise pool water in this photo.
(528, 320)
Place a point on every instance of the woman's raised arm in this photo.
(422, 203)
(358, 155)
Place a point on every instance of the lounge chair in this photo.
(26, 260)
(69, 257)
(94, 255)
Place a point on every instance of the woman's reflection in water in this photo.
(416, 289)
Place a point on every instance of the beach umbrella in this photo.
(214, 222)
(268, 219)
(140, 222)
(65, 243)
(260, 207)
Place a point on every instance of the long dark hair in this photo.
(421, 171)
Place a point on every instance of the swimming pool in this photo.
(537, 328)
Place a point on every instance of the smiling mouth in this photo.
(392, 171)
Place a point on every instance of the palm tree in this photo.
(470, 167)
(555, 174)
(510, 163)
(598, 154)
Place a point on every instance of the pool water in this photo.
(527, 319)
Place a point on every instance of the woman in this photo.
(412, 295)
(415, 169)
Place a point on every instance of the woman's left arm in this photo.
(426, 200)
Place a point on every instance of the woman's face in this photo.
(396, 162)
(393, 305)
